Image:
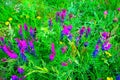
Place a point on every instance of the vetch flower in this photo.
(105, 35)
(20, 70)
(9, 52)
(118, 9)
(64, 49)
(82, 31)
(52, 56)
(25, 27)
(64, 64)
(14, 77)
(88, 31)
(62, 16)
(86, 44)
(95, 52)
(106, 45)
(20, 31)
(53, 48)
(118, 77)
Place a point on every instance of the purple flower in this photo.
(64, 64)
(20, 70)
(53, 48)
(106, 45)
(14, 77)
(57, 15)
(70, 16)
(50, 23)
(86, 44)
(88, 31)
(99, 41)
(2, 39)
(64, 49)
(20, 31)
(65, 30)
(82, 31)
(52, 56)
(118, 77)
(9, 52)
(25, 27)
(118, 9)
(63, 14)
(97, 47)
(105, 12)
(105, 35)
(31, 44)
(22, 55)
(32, 32)
(95, 52)
(69, 27)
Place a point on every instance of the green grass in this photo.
(83, 66)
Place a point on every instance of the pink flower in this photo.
(63, 14)
(53, 48)
(118, 9)
(9, 52)
(105, 12)
(52, 56)
(64, 49)
(106, 45)
(105, 35)
(64, 63)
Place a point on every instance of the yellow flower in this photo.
(61, 42)
(10, 19)
(45, 29)
(27, 16)
(108, 54)
(38, 17)
(7, 23)
(18, 26)
(109, 78)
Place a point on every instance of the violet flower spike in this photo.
(20, 70)
(53, 49)
(64, 49)
(88, 31)
(82, 31)
(95, 52)
(118, 9)
(9, 52)
(105, 35)
(52, 56)
(25, 27)
(20, 31)
(14, 77)
(106, 45)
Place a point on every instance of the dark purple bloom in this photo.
(97, 47)
(64, 64)
(14, 77)
(82, 31)
(22, 55)
(31, 44)
(20, 70)
(95, 53)
(70, 37)
(105, 35)
(70, 16)
(69, 27)
(50, 23)
(57, 15)
(99, 41)
(9, 52)
(32, 32)
(118, 77)
(2, 39)
(88, 31)
(3, 59)
(25, 27)
(86, 44)
(20, 31)
(53, 48)
(106, 45)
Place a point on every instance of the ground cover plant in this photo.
(59, 40)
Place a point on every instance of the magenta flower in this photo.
(9, 52)
(20, 70)
(82, 31)
(53, 48)
(63, 14)
(64, 49)
(2, 39)
(118, 9)
(97, 47)
(14, 77)
(52, 56)
(25, 27)
(31, 44)
(69, 27)
(105, 12)
(66, 30)
(105, 35)
(106, 45)
(64, 64)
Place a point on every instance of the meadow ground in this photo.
(59, 39)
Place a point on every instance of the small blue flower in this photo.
(95, 53)
(118, 77)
